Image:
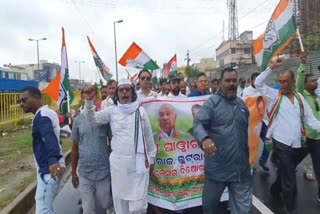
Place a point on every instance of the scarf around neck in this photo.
(128, 108)
(276, 107)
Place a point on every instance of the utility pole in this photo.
(188, 58)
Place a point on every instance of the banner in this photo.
(257, 107)
(178, 177)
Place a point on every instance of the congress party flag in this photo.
(60, 87)
(280, 31)
(135, 57)
(104, 70)
(170, 66)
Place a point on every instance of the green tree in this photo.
(192, 73)
(311, 39)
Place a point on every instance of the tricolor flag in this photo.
(134, 78)
(104, 70)
(60, 85)
(170, 66)
(154, 77)
(280, 31)
(137, 58)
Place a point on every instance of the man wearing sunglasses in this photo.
(133, 147)
(145, 85)
(46, 148)
(307, 84)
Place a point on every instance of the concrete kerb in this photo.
(25, 200)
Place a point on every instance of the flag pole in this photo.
(68, 104)
(300, 40)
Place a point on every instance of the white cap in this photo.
(124, 82)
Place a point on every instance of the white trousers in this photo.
(129, 207)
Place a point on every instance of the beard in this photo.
(175, 91)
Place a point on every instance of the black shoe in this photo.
(264, 167)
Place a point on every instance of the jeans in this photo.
(95, 191)
(47, 189)
(240, 196)
(286, 182)
(265, 154)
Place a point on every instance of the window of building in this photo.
(233, 50)
(247, 51)
(11, 75)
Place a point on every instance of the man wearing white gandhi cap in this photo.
(133, 147)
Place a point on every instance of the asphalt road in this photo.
(68, 198)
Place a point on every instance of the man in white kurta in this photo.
(133, 148)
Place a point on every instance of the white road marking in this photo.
(260, 206)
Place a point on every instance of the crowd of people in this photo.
(114, 149)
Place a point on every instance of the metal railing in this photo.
(11, 112)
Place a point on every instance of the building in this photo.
(47, 73)
(309, 15)
(234, 53)
(207, 65)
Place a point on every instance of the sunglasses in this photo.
(22, 100)
(145, 78)
(125, 89)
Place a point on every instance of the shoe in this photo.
(309, 176)
(318, 196)
(264, 167)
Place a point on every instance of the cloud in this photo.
(161, 27)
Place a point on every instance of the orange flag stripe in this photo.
(133, 51)
(258, 44)
(282, 6)
(52, 90)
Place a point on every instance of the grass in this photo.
(14, 147)
(7, 199)
(26, 181)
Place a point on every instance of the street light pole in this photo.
(37, 40)
(115, 45)
(79, 62)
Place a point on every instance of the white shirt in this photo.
(179, 95)
(239, 91)
(142, 96)
(286, 127)
(107, 102)
(251, 91)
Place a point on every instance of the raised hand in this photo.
(89, 93)
(277, 63)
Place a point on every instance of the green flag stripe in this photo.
(151, 65)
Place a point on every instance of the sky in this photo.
(161, 28)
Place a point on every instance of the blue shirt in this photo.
(45, 133)
(197, 93)
(93, 149)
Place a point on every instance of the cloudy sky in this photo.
(160, 27)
